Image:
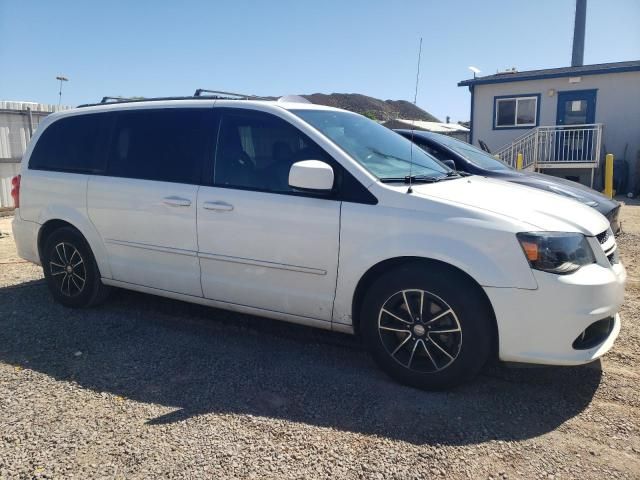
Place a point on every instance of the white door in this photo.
(260, 243)
(145, 207)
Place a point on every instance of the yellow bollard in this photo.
(519, 162)
(608, 175)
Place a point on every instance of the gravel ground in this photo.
(144, 387)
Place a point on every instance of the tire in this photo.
(451, 304)
(70, 270)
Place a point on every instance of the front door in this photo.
(575, 110)
(261, 244)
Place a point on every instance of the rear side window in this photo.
(71, 145)
(167, 145)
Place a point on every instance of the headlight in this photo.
(559, 253)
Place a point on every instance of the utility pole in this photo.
(61, 78)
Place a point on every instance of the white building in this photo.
(563, 120)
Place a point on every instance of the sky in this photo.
(170, 48)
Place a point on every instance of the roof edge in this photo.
(551, 73)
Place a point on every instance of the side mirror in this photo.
(311, 175)
(449, 163)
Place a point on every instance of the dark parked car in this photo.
(467, 158)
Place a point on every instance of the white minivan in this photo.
(317, 216)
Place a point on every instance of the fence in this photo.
(18, 121)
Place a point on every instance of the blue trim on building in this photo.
(523, 77)
(516, 127)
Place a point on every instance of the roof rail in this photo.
(116, 99)
(136, 100)
(200, 91)
(215, 95)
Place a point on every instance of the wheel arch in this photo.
(48, 228)
(54, 223)
(96, 292)
(384, 266)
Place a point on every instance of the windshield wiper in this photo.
(453, 174)
(411, 179)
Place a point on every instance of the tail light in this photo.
(15, 190)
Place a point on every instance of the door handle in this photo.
(174, 201)
(217, 206)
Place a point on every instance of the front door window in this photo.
(575, 112)
(576, 109)
(256, 151)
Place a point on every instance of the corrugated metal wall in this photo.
(7, 172)
(18, 120)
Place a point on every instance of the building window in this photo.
(516, 112)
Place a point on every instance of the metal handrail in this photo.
(559, 127)
(553, 145)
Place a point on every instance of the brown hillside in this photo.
(372, 107)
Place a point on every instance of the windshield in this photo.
(476, 156)
(382, 152)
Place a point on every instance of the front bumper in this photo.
(541, 326)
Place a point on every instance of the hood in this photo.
(566, 188)
(543, 210)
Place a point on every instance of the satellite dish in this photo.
(293, 99)
(475, 70)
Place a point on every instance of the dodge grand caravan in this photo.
(322, 217)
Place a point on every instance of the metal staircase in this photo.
(556, 146)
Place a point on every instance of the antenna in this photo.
(413, 122)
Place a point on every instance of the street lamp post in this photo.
(61, 78)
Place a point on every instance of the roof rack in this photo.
(116, 99)
(136, 100)
(219, 94)
(215, 95)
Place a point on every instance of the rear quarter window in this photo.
(71, 145)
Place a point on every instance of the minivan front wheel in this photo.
(70, 269)
(428, 329)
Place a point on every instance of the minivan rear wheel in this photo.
(426, 328)
(71, 271)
